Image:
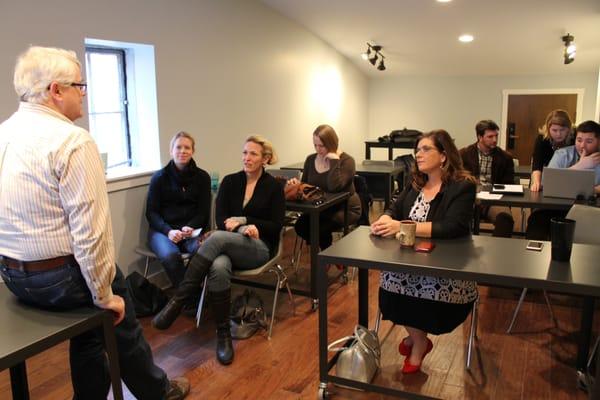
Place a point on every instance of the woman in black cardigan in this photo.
(250, 212)
(440, 200)
(178, 202)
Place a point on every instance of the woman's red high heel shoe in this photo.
(403, 348)
(409, 368)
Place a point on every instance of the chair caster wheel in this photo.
(323, 394)
(314, 305)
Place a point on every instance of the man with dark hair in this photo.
(584, 154)
(490, 164)
(56, 239)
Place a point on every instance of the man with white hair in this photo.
(56, 240)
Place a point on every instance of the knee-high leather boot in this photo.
(221, 303)
(189, 287)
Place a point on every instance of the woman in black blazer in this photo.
(250, 213)
(440, 200)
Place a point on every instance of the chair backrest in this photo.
(366, 199)
(378, 162)
(407, 161)
(587, 221)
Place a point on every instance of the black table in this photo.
(401, 143)
(529, 199)
(26, 331)
(313, 211)
(486, 259)
(380, 178)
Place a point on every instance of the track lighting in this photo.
(366, 54)
(570, 48)
(373, 54)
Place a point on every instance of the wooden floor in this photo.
(535, 362)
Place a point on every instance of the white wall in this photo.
(457, 103)
(225, 69)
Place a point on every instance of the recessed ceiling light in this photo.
(466, 38)
(444, 1)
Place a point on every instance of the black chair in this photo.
(403, 180)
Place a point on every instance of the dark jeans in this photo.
(65, 288)
(169, 254)
(326, 226)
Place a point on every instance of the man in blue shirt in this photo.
(584, 154)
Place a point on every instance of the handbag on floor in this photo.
(359, 359)
(247, 315)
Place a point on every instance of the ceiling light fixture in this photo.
(570, 48)
(466, 38)
(444, 1)
(373, 54)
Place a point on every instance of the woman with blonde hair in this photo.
(250, 208)
(178, 202)
(556, 133)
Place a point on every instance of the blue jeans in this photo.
(65, 288)
(169, 254)
(229, 250)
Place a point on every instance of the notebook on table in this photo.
(568, 183)
(507, 189)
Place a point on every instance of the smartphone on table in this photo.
(424, 246)
(535, 245)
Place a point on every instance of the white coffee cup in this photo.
(407, 233)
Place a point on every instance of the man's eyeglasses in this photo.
(82, 86)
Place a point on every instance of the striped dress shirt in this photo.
(53, 198)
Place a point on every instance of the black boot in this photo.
(221, 303)
(188, 288)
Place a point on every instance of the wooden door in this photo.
(527, 114)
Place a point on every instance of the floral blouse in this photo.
(427, 287)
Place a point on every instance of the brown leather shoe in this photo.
(178, 388)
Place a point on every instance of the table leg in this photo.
(594, 391)
(363, 297)
(585, 333)
(18, 382)
(367, 151)
(322, 286)
(314, 250)
(391, 151)
(113, 356)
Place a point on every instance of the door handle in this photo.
(513, 136)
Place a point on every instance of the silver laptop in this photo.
(568, 183)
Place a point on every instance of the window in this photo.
(107, 103)
(122, 88)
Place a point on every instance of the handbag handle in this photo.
(332, 345)
(374, 352)
(357, 338)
